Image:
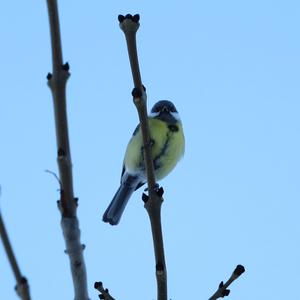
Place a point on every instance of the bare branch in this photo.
(104, 293)
(129, 25)
(57, 83)
(22, 287)
(222, 290)
(67, 204)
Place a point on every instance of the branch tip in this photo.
(129, 23)
(104, 293)
(128, 16)
(223, 290)
(134, 18)
(239, 270)
(97, 284)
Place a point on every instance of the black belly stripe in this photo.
(172, 129)
(162, 152)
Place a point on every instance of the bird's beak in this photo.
(165, 109)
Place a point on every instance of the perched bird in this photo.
(167, 147)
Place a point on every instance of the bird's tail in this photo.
(116, 207)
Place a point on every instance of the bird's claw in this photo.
(160, 191)
(157, 189)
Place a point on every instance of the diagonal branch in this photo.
(22, 287)
(67, 204)
(222, 290)
(104, 293)
(129, 25)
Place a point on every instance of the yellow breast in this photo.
(167, 148)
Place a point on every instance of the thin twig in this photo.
(54, 175)
(104, 293)
(22, 287)
(67, 204)
(222, 290)
(129, 25)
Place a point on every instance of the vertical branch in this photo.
(22, 287)
(129, 25)
(67, 204)
(57, 82)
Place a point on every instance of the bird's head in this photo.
(165, 110)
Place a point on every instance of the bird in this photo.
(167, 147)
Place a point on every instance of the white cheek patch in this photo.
(175, 115)
(154, 114)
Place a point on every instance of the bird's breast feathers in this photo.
(167, 148)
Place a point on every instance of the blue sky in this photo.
(232, 69)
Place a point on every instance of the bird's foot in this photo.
(157, 189)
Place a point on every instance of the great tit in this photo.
(167, 147)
